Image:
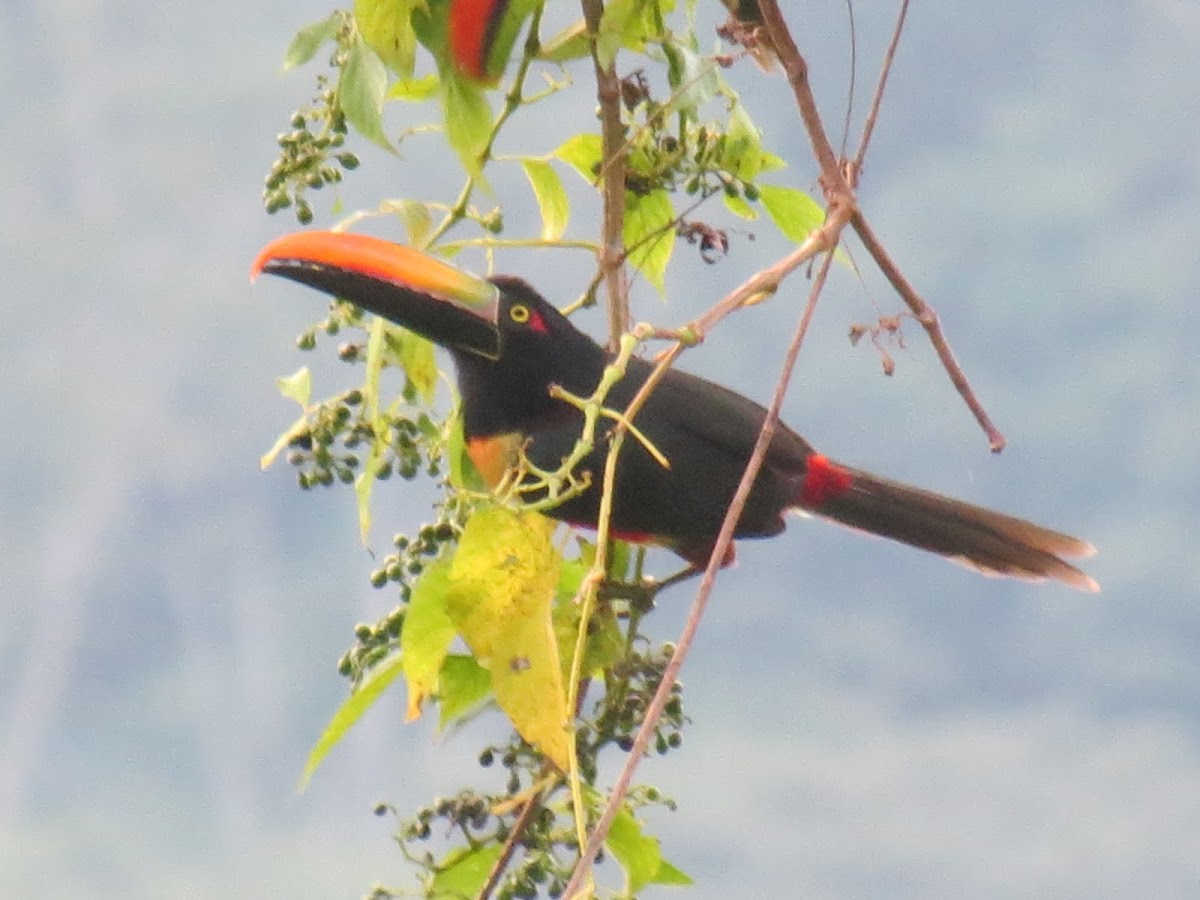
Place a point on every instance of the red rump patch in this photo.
(823, 480)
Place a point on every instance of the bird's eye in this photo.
(519, 313)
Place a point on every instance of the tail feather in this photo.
(987, 541)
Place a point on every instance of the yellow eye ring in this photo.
(519, 313)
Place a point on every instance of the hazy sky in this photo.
(867, 722)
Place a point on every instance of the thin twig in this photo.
(837, 191)
(889, 59)
(641, 741)
(532, 805)
(927, 316)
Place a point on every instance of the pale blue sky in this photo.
(867, 722)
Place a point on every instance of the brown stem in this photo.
(927, 316)
(612, 176)
(889, 59)
(510, 845)
(794, 66)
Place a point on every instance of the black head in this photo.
(538, 347)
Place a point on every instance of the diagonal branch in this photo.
(641, 742)
(838, 192)
(928, 317)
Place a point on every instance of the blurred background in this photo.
(867, 721)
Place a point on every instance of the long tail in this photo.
(987, 541)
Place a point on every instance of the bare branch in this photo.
(889, 59)
(927, 316)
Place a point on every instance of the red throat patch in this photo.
(823, 480)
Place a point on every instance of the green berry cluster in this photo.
(310, 153)
(340, 428)
(669, 151)
(403, 567)
(632, 683)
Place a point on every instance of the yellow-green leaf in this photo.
(551, 197)
(414, 90)
(794, 213)
(308, 41)
(463, 872)
(427, 635)
(351, 710)
(468, 118)
(463, 474)
(743, 145)
(415, 356)
(570, 43)
(501, 589)
(463, 687)
(297, 386)
(692, 77)
(640, 855)
(605, 643)
(737, 205)
(649, 234)
(361, 88)
(415, 217)
(364, 483)
(297, 428)
(504, 35)
(582, 153)
(671, 875)
(386, 27)
(617, 19)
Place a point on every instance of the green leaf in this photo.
(614, 23)
(463, 687)
(463, 872)
(551, 197)
(504, 35)
(570, 43)
(502, 585)
(414, 90)
(351, 710)
(308, 41)
(639, 855)
(468, 119)
(743, 145)
(415, 217)
(794, 213)
(427, 635)
(297, 386)
(361, 89)
(582, 153)
(649, 234)
(771, 162)
(364, 483)
(670, 875)
(605, 643)
(415, 356)
(386, 27)
(739, 207)
(692, 78)
(463, 474)
(297, 428)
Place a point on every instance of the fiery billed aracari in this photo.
(510, 346)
